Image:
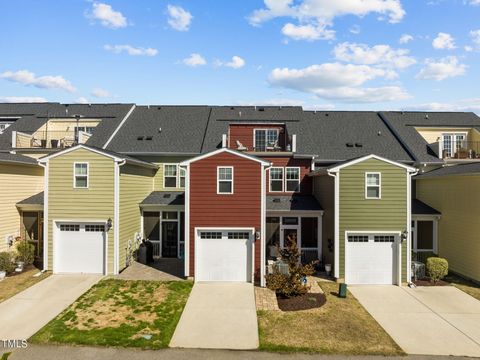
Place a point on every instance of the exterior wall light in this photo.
(404, 235)
(109, 224)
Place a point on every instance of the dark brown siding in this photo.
(303, 164)
(240, 209)
(244, 134)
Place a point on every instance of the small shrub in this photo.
(291, 284)
(6, 263)
(437, 268)
(25, 252)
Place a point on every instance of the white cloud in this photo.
(307, 32)
(131, 50)
(26, 77)
(22, 99)
(82, 100)
(178, 18)
(236, 63)
(100, 93)
(441, 69)
(468, 48)
(336, 81)
(195, 60)
(474, 2)
(458, 105)
(315, 16)
(475, 35)
(382, 55)
(444, 41)
(107, 16)
(405, 38)
(272, 102)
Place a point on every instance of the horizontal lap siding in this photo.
(359, 214)
(135, 184)
(458, 199)
(241, 209)
(17, 182)
(160, 161)
(244, 134)
(303, 164)
(95, 203)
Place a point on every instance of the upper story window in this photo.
(225, 180)
(4, 124)
(452, 144)
(182, 177)
(87, 129)
(266, 139)
(80, 175)
(285, 179)
(292, 176)
(373, 186)
(276, 179)
(170, 175)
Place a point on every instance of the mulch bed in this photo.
(25, 269)
(304, 302)
(428, 282)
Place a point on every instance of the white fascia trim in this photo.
(119, 126)
(187, 224)
(116, 218)
(409, 225)
(79, 146)
(263, 214)
(222, 150)
(336, 176)
(45, 216)
(372, 156)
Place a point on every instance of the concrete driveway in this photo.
(426, 320)
(218, 316)
(27, 312)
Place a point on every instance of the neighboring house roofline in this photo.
(116, 157)
(127, 115)
(222, 150)
(336, 167)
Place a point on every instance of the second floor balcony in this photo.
(459, 149)
(49, 139)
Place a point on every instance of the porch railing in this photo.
(422, 256)
(309, 255)
(156, 248)
(49, 139)
(462, 149)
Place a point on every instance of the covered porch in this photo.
(31, 224)
(299, 218)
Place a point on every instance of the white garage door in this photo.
(224, 255)
(79, 248)
(371, 259)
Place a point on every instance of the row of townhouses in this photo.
(221, 187)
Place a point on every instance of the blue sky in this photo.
(322, 54)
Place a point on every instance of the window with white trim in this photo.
(80, 173)
(170, 175)
(292, 179)
(372, 185)
(182, 172)
(276, 179)
(225, 180)
(265, 138)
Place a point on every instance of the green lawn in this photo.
(467, 286)
(12, 285)
(121, 313)
(341, 326)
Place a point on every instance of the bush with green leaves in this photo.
(437, 268)
(291, 284)
(6, 263)
(25, 252)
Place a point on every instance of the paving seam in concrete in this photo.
(440, 316)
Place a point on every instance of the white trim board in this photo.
(368, 157)
(119, 126)
(222, 150)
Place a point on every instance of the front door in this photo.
(169, 239)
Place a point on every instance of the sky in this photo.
(320, 54)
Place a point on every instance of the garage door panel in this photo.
(79, 248)
(371, 262)
(223, 258)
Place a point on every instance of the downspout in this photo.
(116, 217)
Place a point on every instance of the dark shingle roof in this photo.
(404, 123)
(459, 169)
(294, 202)
(182, 130)
(36, 199)
(17, 159)
(164, 198)
(32, 116)
(420, 208)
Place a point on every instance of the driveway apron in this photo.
(425, 320)
(218, 316)
(24, 314)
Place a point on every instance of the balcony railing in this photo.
(462, 149)
(49, 139)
